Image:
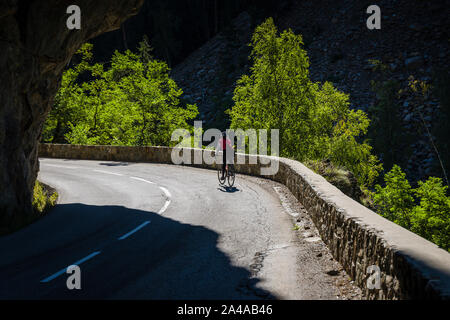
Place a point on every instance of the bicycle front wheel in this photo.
(231, 176)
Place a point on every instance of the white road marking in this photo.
(108, 172)
(60, 272)
(168, 196)
(134, 230)
(166, 192)
(58, 166)
(161, 211)
(143, 180)
(164, 208)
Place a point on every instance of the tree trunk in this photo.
(35, 46)
(124, 36)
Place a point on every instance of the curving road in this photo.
(153, 231)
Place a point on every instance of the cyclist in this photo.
(225, 145)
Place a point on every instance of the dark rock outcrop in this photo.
(35, 46)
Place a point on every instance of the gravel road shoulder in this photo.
(324, 276)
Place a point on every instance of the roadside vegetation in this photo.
(314, 119)
(424, 210)
(44, 198)
(130, 101)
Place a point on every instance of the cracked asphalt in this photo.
(154, 231)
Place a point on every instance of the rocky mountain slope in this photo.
(413, 41)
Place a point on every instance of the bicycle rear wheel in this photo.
(219, 176)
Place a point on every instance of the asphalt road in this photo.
(153, 231)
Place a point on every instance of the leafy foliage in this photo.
(133, 102)
(424, 210)
(431, 219)
(314, 120)
(343, 179)
(42, 199)
(395, 201)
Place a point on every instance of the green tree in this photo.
(278, 82)
(133, 102)
(424, 210)
(395, 201)
(69, 100)
(431, 218)
(314, 121)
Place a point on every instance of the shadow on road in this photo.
(166, 259)
(228, 189)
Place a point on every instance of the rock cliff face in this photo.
(35, 45)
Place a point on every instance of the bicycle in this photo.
(230, 175)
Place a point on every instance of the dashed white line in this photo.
(60, 272)
(161, 211)
(134, 230)
(108, 172)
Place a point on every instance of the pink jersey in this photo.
(225, 143)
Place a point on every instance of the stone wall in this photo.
(410, 266)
